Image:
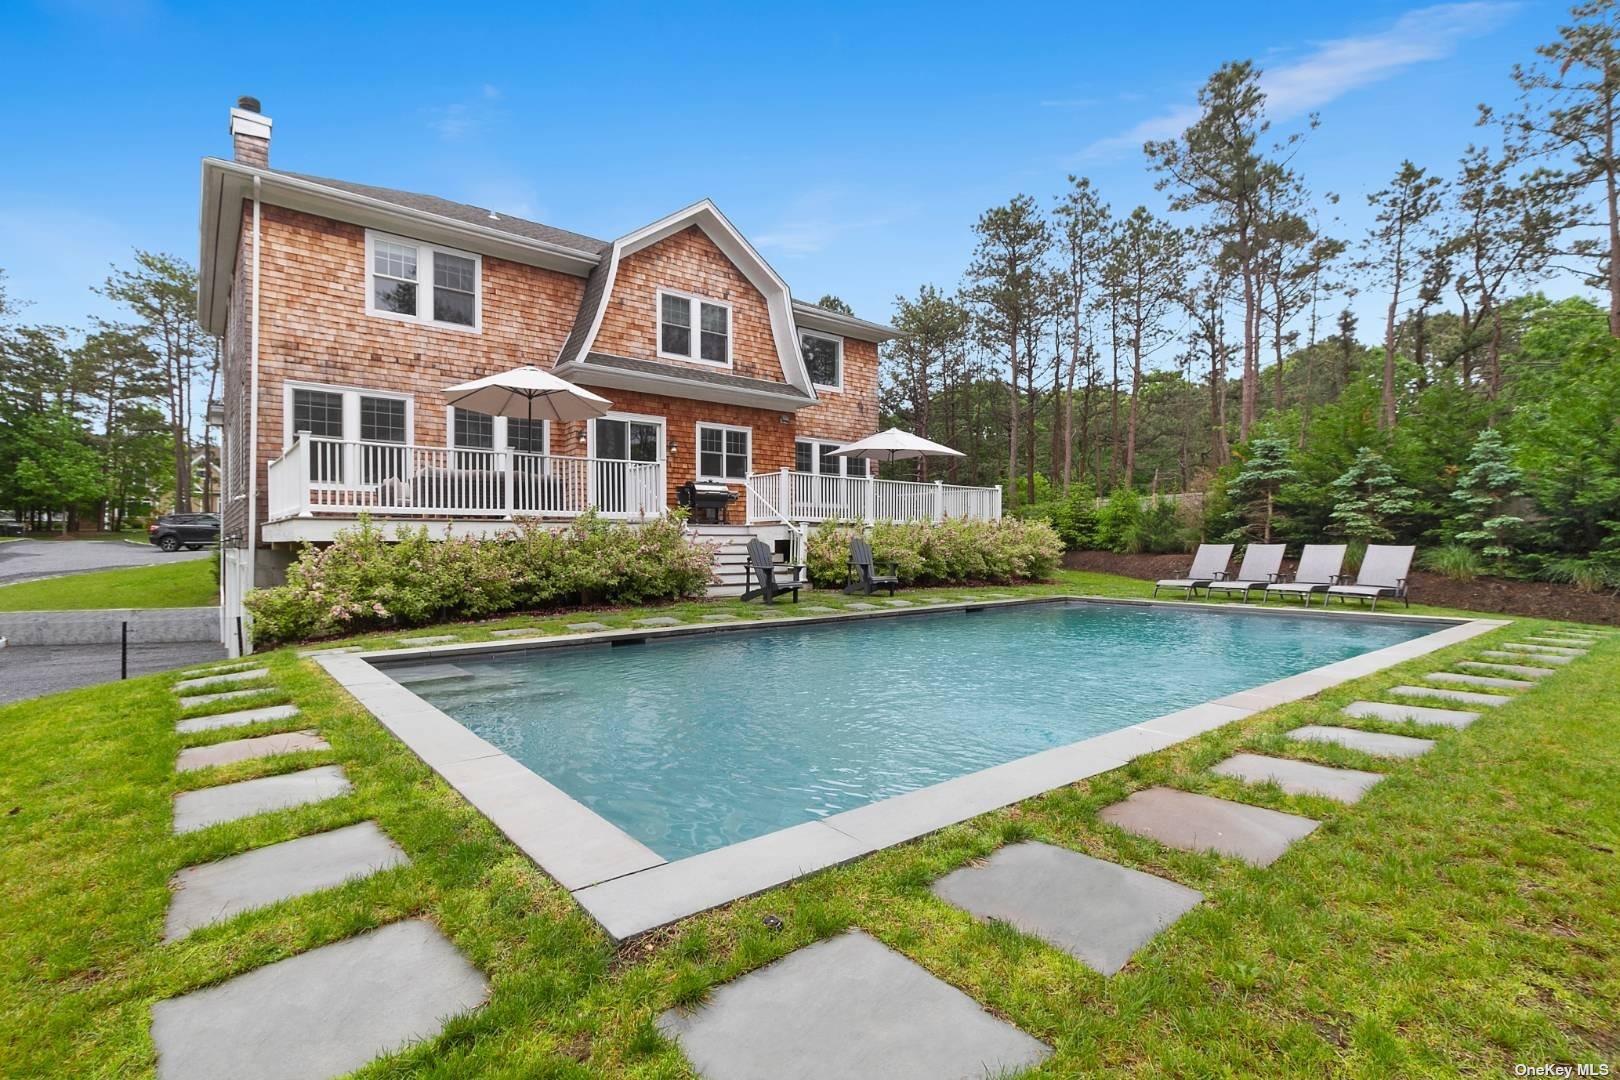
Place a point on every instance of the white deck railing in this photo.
(786, 495)
(331, 476)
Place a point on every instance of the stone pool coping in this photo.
(629, 889)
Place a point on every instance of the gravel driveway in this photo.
(25, 560)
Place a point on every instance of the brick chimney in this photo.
(250, 133)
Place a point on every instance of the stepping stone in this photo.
(720, 616)
(228, 695)
(1299, 777)
(216, 891)
(1554, 650)
(858, 606)
(1368, 742)
(215, 680)
(1564, 642)
(587, 627)
(1464, 696)
(323, 1013)
(429, 673)
(240, 718)
(846, 1007)
(206, 673)
(430, 639)
(1180, 819)
(306, 653)
(195, 810)
(970, 598)
(658, 620)
(1539, 658)
(227, 753)
(1490, 681)
(1099, 912)
(1416, 714)
(897, 603)
(1508, 669)
(527, 631)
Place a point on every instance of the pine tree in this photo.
(1257, 483)
(1491, 480)
(1367, 498)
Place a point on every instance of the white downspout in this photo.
(252, 448)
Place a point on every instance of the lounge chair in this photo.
(860, 563)
(1261, 563)
(1209, 564)
(763, 568)
(1383, 573)
(1318, 571)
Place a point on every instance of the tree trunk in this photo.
(1012, 423)
(1386, 420)
(1612, 196)
(1251, 356)
(1032, 413)
(1130, 421)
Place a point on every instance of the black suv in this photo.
(171, 532)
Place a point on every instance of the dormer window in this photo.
(823, 359)
(418, 282)
(682, 318)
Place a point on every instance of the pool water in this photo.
(693, 743)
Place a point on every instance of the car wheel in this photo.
(169, 543)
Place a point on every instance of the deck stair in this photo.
(730, 557)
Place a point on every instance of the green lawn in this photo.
(180, 584)
(1460, 919)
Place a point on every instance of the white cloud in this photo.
(1336, 67)
(815, 219)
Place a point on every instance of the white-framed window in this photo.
(423, 283)
(694, 328)
(823, 359)
(724, 452)
(380, 421)
(469, 430)
(816, 456)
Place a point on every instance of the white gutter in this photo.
(253, 408)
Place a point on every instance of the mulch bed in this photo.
(1534, 599)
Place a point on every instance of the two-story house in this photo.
(346, 310)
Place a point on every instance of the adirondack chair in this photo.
(762, 575)
(860, 563)
(1383, 573)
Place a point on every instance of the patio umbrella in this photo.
(894, 444)
(527, 392)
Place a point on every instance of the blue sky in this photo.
(854, 144)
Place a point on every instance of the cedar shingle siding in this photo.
(315, 328)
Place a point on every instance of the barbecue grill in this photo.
(706, 499)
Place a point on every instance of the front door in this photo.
(616, 442)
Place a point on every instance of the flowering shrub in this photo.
(364, 581)
(943, 553)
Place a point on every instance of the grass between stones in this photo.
(181, 584)
(1459, 919)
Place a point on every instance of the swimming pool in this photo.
(694, 743)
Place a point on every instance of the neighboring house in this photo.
(346, 310)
